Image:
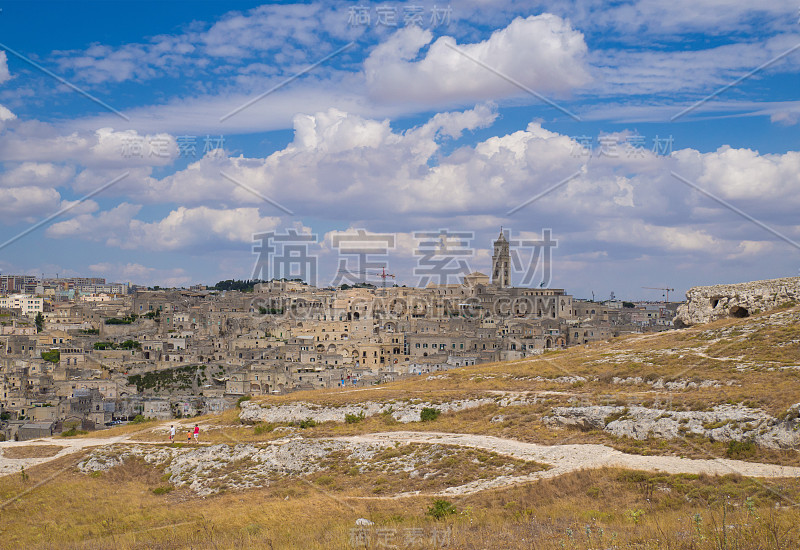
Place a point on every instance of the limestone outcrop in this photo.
(722, 423)
(708, 303)
(401, 411)
(209, 469)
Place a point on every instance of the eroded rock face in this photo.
(401, 411)
(208, 469)
(708, 303)
(722, 423)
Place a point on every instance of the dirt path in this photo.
(70, 446)
(569, 458)
(562, 459)
(73, 445)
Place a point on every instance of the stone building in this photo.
(501, 262)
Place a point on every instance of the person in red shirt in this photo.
(196, 433)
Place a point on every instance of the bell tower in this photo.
(501, 262)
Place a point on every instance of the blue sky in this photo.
(657, 141)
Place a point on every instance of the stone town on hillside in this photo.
(84, 353)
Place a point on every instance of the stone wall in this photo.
(708, 303)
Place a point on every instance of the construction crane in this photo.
(666, 290)
(383, 276)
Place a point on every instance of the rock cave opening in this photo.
(739, 312)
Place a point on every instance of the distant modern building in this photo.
(24, 302)
(15, 284)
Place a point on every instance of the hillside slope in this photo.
(687, 437)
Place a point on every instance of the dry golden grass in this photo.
(589, 509)
(438, 467)
(31, 451)
(124, 429)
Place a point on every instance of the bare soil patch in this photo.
(31, 451)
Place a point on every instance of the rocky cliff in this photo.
(708, 303)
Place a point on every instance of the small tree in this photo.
(54, 356)
(39, 322)
(440, 509)
(429, 414)
(354, 418)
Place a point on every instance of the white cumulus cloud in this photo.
(542, 52)
(4, 74)
(182, 228)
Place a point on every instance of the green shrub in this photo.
(429, 414)
(162, 490)
(263, 428)
(740, 449)
(388, 417)
(242, 399)
(53, 356)
(441, 509)
(635, 515)
(354, 418)
(127, 344)
(139, 419)
(121, 321)
(325, 480)
(307, 423)
(73, 432)
(130, 344)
